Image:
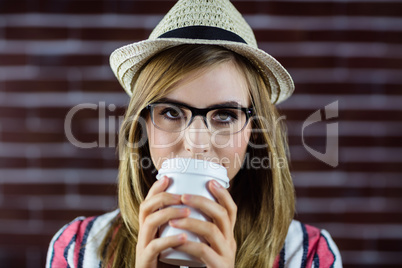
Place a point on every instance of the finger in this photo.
(157, 201)
(218, 214)
(153, 221)
(224, 198)
(158, 245)
(158, 187)
(208, 230)
(201, 251)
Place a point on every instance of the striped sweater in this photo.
(77, 243)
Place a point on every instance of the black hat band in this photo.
(203, 32)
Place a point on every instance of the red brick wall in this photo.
(54, 56)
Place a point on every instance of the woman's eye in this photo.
(225, 116)
(172, 113)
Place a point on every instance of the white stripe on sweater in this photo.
(294, 245)
(95, 238)
(334, 248)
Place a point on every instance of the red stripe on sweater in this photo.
(313, 238)
(276, 262)
(61, 243)
(80, 235)
(324, 253)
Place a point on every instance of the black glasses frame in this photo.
(203, 112)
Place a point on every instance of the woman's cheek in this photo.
(163, 146)
(235, 157)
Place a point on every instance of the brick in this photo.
(80, 6)
(10, 6)
(49, 112)
(68, 215)
(12, 240)
(35, 33)
(368, 265)
(15, 214)
(13, 59)
(8, 162)
(67, 60)
(32, 137)
(310, 163)
(34, 189)
(50, 85)
(139, 7)
(348, 88)
(351, 141)
(389, 245)
(347, 35)
(368, 244)
(61, 112)
(13, 257)
(102, 86)
(77, 163)
(13, 112)
(348, 115)
(114, 34)
(91, 189)
(345, 191)
(339, 62)
(352, 217)
(374, 63)
(57, 162)
(314, 8)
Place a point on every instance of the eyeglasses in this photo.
(173, 117)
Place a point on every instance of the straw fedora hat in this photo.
(213, 22)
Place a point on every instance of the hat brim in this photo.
(127, 60)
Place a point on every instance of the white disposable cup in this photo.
(188, 176)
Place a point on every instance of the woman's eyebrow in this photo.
(217, 105)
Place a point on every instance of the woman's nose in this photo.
(197, 137)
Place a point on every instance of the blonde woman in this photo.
(199, 73)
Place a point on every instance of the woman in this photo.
(202, 55)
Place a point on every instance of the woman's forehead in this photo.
(220, 84)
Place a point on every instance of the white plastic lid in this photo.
(194, 166)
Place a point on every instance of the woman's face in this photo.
(222, 84)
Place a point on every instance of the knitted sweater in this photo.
(77, 243)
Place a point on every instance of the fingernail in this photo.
(216, 184)
(181, 237)
(162, 180)
(183, 210)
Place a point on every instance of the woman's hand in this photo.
(221, 251)
(154, 212)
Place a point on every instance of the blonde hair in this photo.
(264, 196)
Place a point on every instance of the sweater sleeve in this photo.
(326, 253)
(66, 247)
(319, 250)
(308, 247)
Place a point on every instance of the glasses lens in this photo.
(222, 121)
(170, 117)
(226, 121)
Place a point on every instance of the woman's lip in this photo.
(212, 159)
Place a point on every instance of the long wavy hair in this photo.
(264, 195)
